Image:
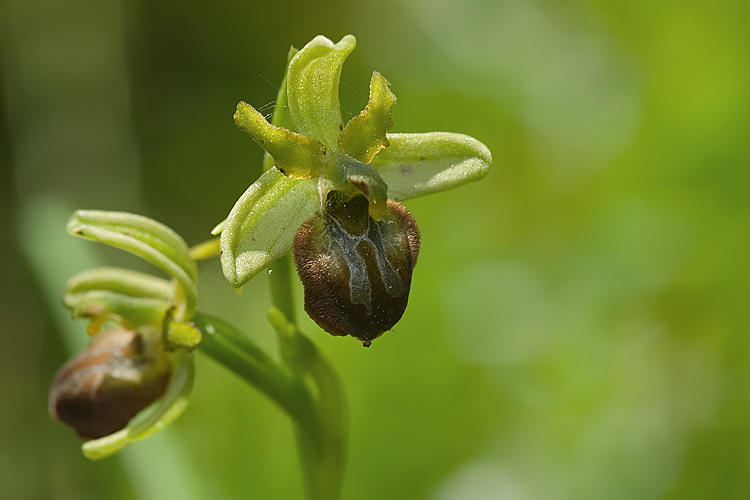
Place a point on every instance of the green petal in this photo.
(313, 88)
(364, 135)
(295, 155)
(262, 224)
(418, 164)
(121, 281)
(146, 238)
(134, 311)
(148, 422)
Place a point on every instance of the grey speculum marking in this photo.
(360, 289)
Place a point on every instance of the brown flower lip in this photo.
(356, 272)
(100, 389)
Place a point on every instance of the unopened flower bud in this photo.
(356, 271)
(100, 389)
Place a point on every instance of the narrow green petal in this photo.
(134, 311)
(262, 224)
(295, 155)
(364, 135)
(418, 164)
(148, 422)
(281, 115)
(145, 238)
(122, 281)
(125, 220)
(313, 88)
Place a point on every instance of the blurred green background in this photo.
(577, 327)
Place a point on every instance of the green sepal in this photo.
(365, 134)
(262, 224)
(155, 418)
(295, 155)
(146, 238)
(419, 164)
(313, 88)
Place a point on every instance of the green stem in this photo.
(206, 250)
(325, 458)
(230, 348)
(282, 294)
(322, 440)
(318, 413)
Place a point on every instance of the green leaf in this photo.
(146, 238)
(166, 411)
(364, 135)
(262, 224)
(313, 88)
(419, 164)
(296, 155)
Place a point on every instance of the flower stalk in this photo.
(317, 413)
(321, 437)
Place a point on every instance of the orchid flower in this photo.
(331, 192)
(136, 375)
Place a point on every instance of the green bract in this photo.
(312, 153)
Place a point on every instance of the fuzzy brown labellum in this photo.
(356, 272)
(101, 388)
